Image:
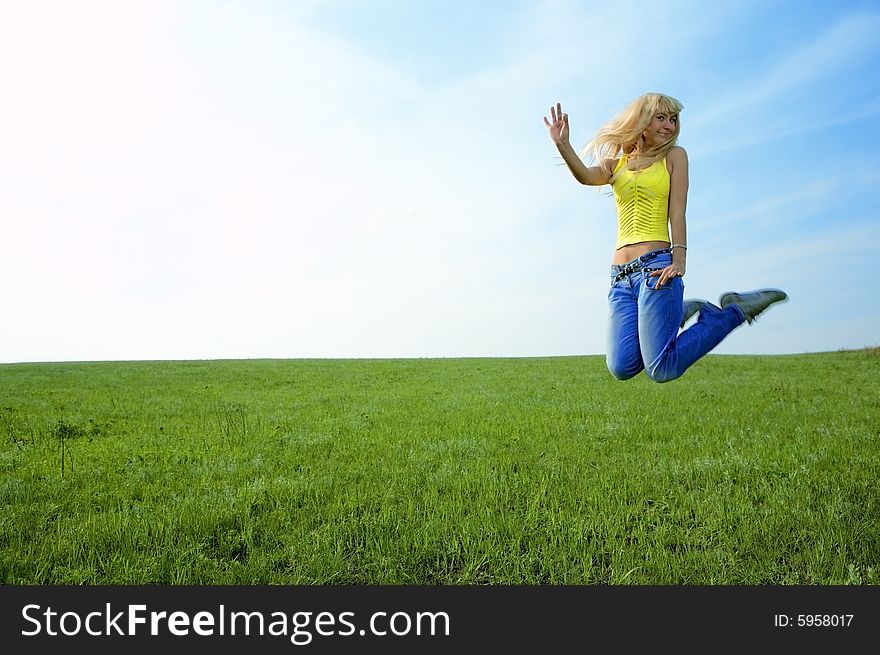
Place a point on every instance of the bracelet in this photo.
(678, 245)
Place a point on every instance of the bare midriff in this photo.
(628, 253)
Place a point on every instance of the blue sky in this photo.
(372, 178)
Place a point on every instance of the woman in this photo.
(637, 155)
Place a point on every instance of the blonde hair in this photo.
(622, 135)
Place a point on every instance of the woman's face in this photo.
(662, 128)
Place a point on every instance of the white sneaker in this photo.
(753, 303)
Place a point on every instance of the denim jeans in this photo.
(645, 319)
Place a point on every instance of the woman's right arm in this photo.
(559, 134)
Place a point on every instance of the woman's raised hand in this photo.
(557, 126)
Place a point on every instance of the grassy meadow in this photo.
(748, 470)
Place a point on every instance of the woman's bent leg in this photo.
(666, 353)
(624, 357)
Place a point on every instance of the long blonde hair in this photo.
(622, 135)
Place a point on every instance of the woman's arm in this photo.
(559, 134)
(678, 190)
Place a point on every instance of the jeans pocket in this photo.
(611, 288)
(650, 281)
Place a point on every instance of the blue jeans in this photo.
(645, 320)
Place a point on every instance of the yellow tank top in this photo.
(642, 203)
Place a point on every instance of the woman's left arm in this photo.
(678, 190)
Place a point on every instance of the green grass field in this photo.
(748, 470)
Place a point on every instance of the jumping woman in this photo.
(636, 153)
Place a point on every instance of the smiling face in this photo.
(647, 129)
(662, 128)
